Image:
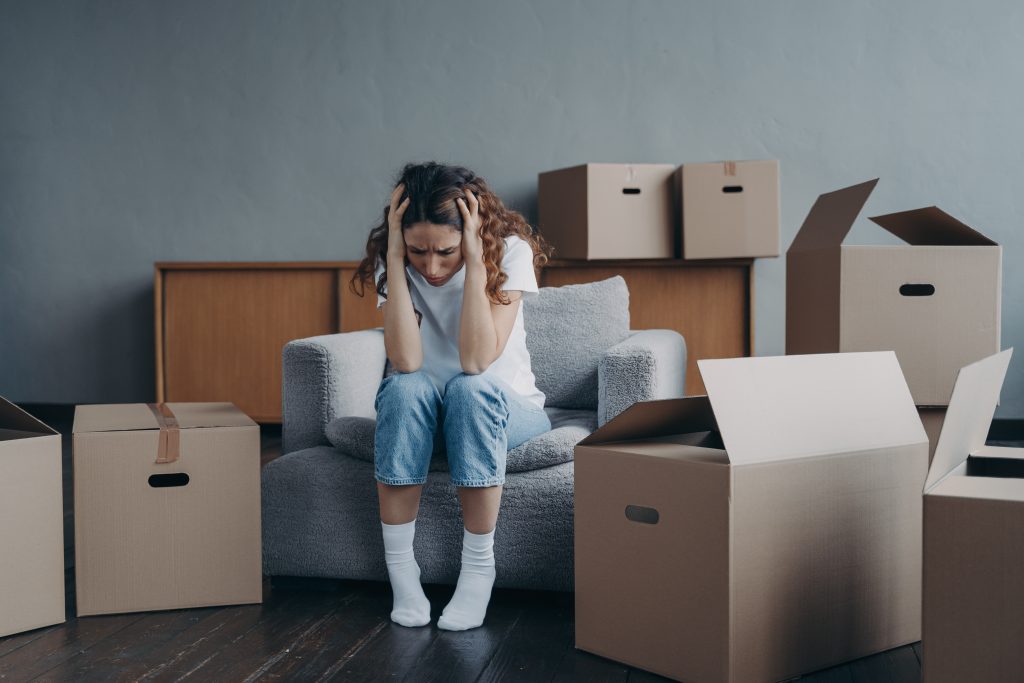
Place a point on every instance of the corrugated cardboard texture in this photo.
(730, 209)
(931, 419)
(653, 595)
(31, 523)
(140, 547)
(608, 211)
(129, 416)
(789, 407)
(826, 560)
(973, 586)
(933, 336)
(970, 412)
(812, 300)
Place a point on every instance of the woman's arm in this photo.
(485, 327)
(402, 341)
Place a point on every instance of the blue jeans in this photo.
(479, 419)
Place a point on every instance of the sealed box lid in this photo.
(135, 416)
(790, 407)
(971, 409)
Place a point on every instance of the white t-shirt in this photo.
(441, 307)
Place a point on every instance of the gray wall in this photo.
(139, 131)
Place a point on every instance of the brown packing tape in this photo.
(169, 449)
(730, 167)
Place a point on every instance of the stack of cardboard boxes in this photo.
(167, 511)
(719, 210)
(774, 527)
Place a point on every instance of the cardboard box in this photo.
(936, 303)
(766, 530)
(608, 211)
(932, 418)
(167, 507)
(974, 540)
(31, 523)
(730, 209)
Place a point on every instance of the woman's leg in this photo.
(483, 418)
(408, 408)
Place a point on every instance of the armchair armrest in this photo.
(327, 377)
(647, 365)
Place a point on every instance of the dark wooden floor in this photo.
(313, 630)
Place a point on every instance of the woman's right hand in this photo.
(396, 241)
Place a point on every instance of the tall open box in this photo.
(167, 507)
(974, 540)
(31, 523)
(766, 530)
(934, 301)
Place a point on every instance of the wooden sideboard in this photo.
(220, 327)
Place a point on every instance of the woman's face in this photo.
(435, 251)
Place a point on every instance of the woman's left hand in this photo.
(472, 242)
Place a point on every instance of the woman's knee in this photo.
(406, 388)
(466, 388)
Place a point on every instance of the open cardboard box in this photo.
(31, 523)
(769, 529)
(974, 540)
(935, 301)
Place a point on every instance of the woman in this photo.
(451, 266)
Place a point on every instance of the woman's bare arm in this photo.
(485, 327)
(402, 341)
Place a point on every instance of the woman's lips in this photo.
(437, 280)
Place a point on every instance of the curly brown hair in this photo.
(432, 189)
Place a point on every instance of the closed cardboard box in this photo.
(167, 507)
(31, 523)
(608, 211)
(974, 541)
(730, 209)
(769, 529)
(935, 301)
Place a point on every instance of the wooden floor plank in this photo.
(583, 666)
(536, 645)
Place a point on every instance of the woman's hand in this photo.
(472, 242)
(396, 241)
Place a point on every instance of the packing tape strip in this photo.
(169, 449)
(730, 167)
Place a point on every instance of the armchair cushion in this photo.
(354, 436)
(568, 330)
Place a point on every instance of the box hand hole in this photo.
(917, 290)
(631, 190)
(732, 189)
(639, 513)
(160, 481)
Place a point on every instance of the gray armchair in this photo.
(320, 515)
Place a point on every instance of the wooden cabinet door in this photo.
(223, 331)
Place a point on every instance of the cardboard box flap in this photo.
(831, 217)
(969, 416)
(210, 415)
(933, 227)
(791, 407)
(133, 416)
(656, 418)
(14, 418)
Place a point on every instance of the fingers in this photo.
(474, 203)
(402, 207)
(463, 209)
(396, 194)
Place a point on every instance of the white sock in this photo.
(411, 607)
(473, 591)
